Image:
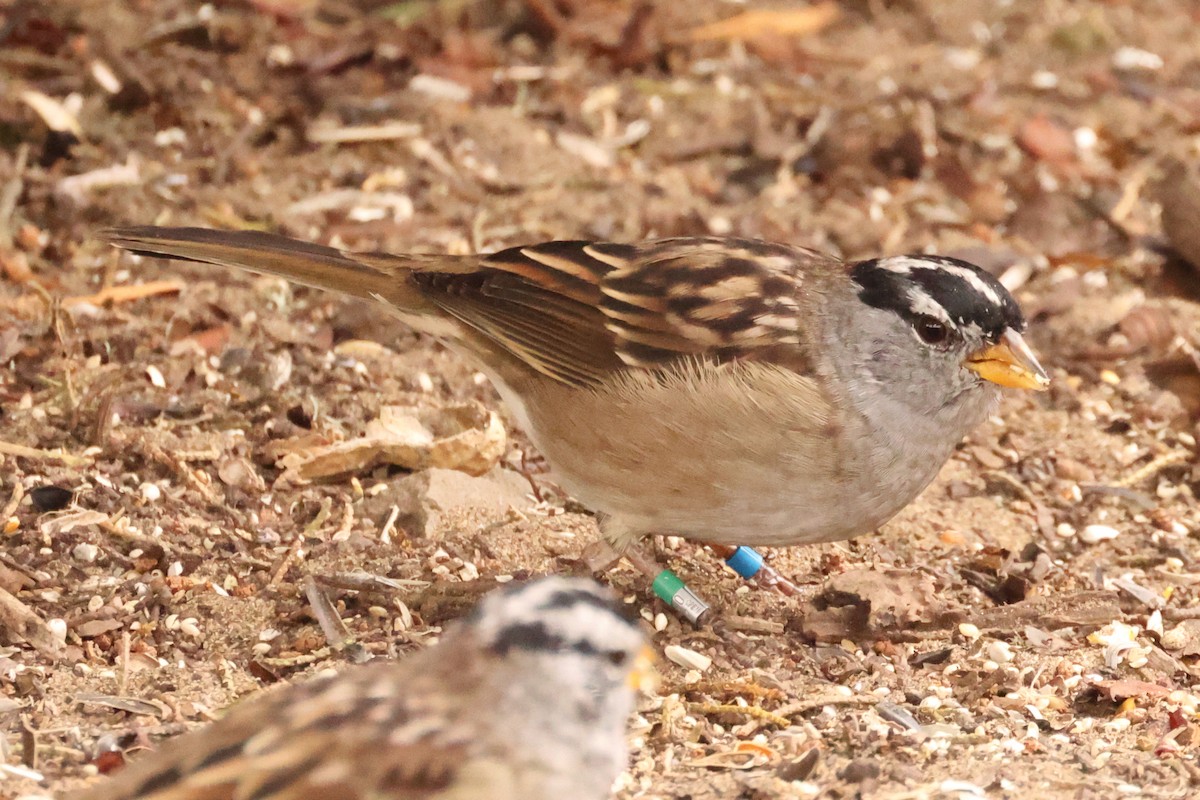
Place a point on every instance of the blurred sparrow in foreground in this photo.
(731, 391)
(525, 699)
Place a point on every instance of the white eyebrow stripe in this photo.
(977, 283)
(921, 303)
(902, 265)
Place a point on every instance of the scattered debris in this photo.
(465, 437)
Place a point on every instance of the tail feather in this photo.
(305, 263)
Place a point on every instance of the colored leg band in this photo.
(675, 593)
(745, 561)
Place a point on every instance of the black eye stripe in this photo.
(535, 636)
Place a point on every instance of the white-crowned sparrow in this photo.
(729, 391)
(526, 699)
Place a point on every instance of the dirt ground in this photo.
(1028, 628)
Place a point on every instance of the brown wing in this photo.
(577, 311)
(358, 736)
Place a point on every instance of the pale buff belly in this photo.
(718, 461)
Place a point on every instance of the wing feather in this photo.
(362, 735)
(577, 311)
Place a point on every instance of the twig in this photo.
(285, 563)
(801, 706)
(124, 294)
(732, 708)
(22, 451)
(367, 582)
(326, 615)
(123, 680)
(1156, 465)
(10, 194)
(14, 502)
(18, 619)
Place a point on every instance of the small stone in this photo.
(150, 492)
(860, 770)
(688, 659)
(1131, 58)
(969, 630)
(1071, 470)
(1000, 652)
(85, 552)
(1098, 533)
(58, 628)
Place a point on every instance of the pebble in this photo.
(1000, 652)
(85, 552)
(1131, 58)
(58, 628)
(1098, 533)
(688, 659)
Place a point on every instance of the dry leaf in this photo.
(1122, 688)
(768, 22)
(863, 600)
(125, 294)
(1047, 140)
(733, 759)
(53, 112)
(68, 522)
(467, 438)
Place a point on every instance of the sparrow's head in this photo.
(946, 331)
(572, 630)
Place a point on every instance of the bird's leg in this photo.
(748, 562)
(600, 556)
(617, 542)
(669, 587)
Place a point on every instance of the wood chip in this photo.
(125, 294)
(793, 21)
(20, 621)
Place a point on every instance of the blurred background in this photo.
(1053, 143)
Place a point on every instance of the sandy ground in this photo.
(1027, 628)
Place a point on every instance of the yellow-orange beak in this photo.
(643, 676)
(1009, 362)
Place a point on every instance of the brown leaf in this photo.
(864, 600)
(467, 438)
(95, 627)
(1122, 688)
(125, 294)
(1047, 140)
(799, 21)
(209, 340)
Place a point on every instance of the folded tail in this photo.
(305, 263)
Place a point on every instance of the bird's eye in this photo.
(617, 657)
(931, 331)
